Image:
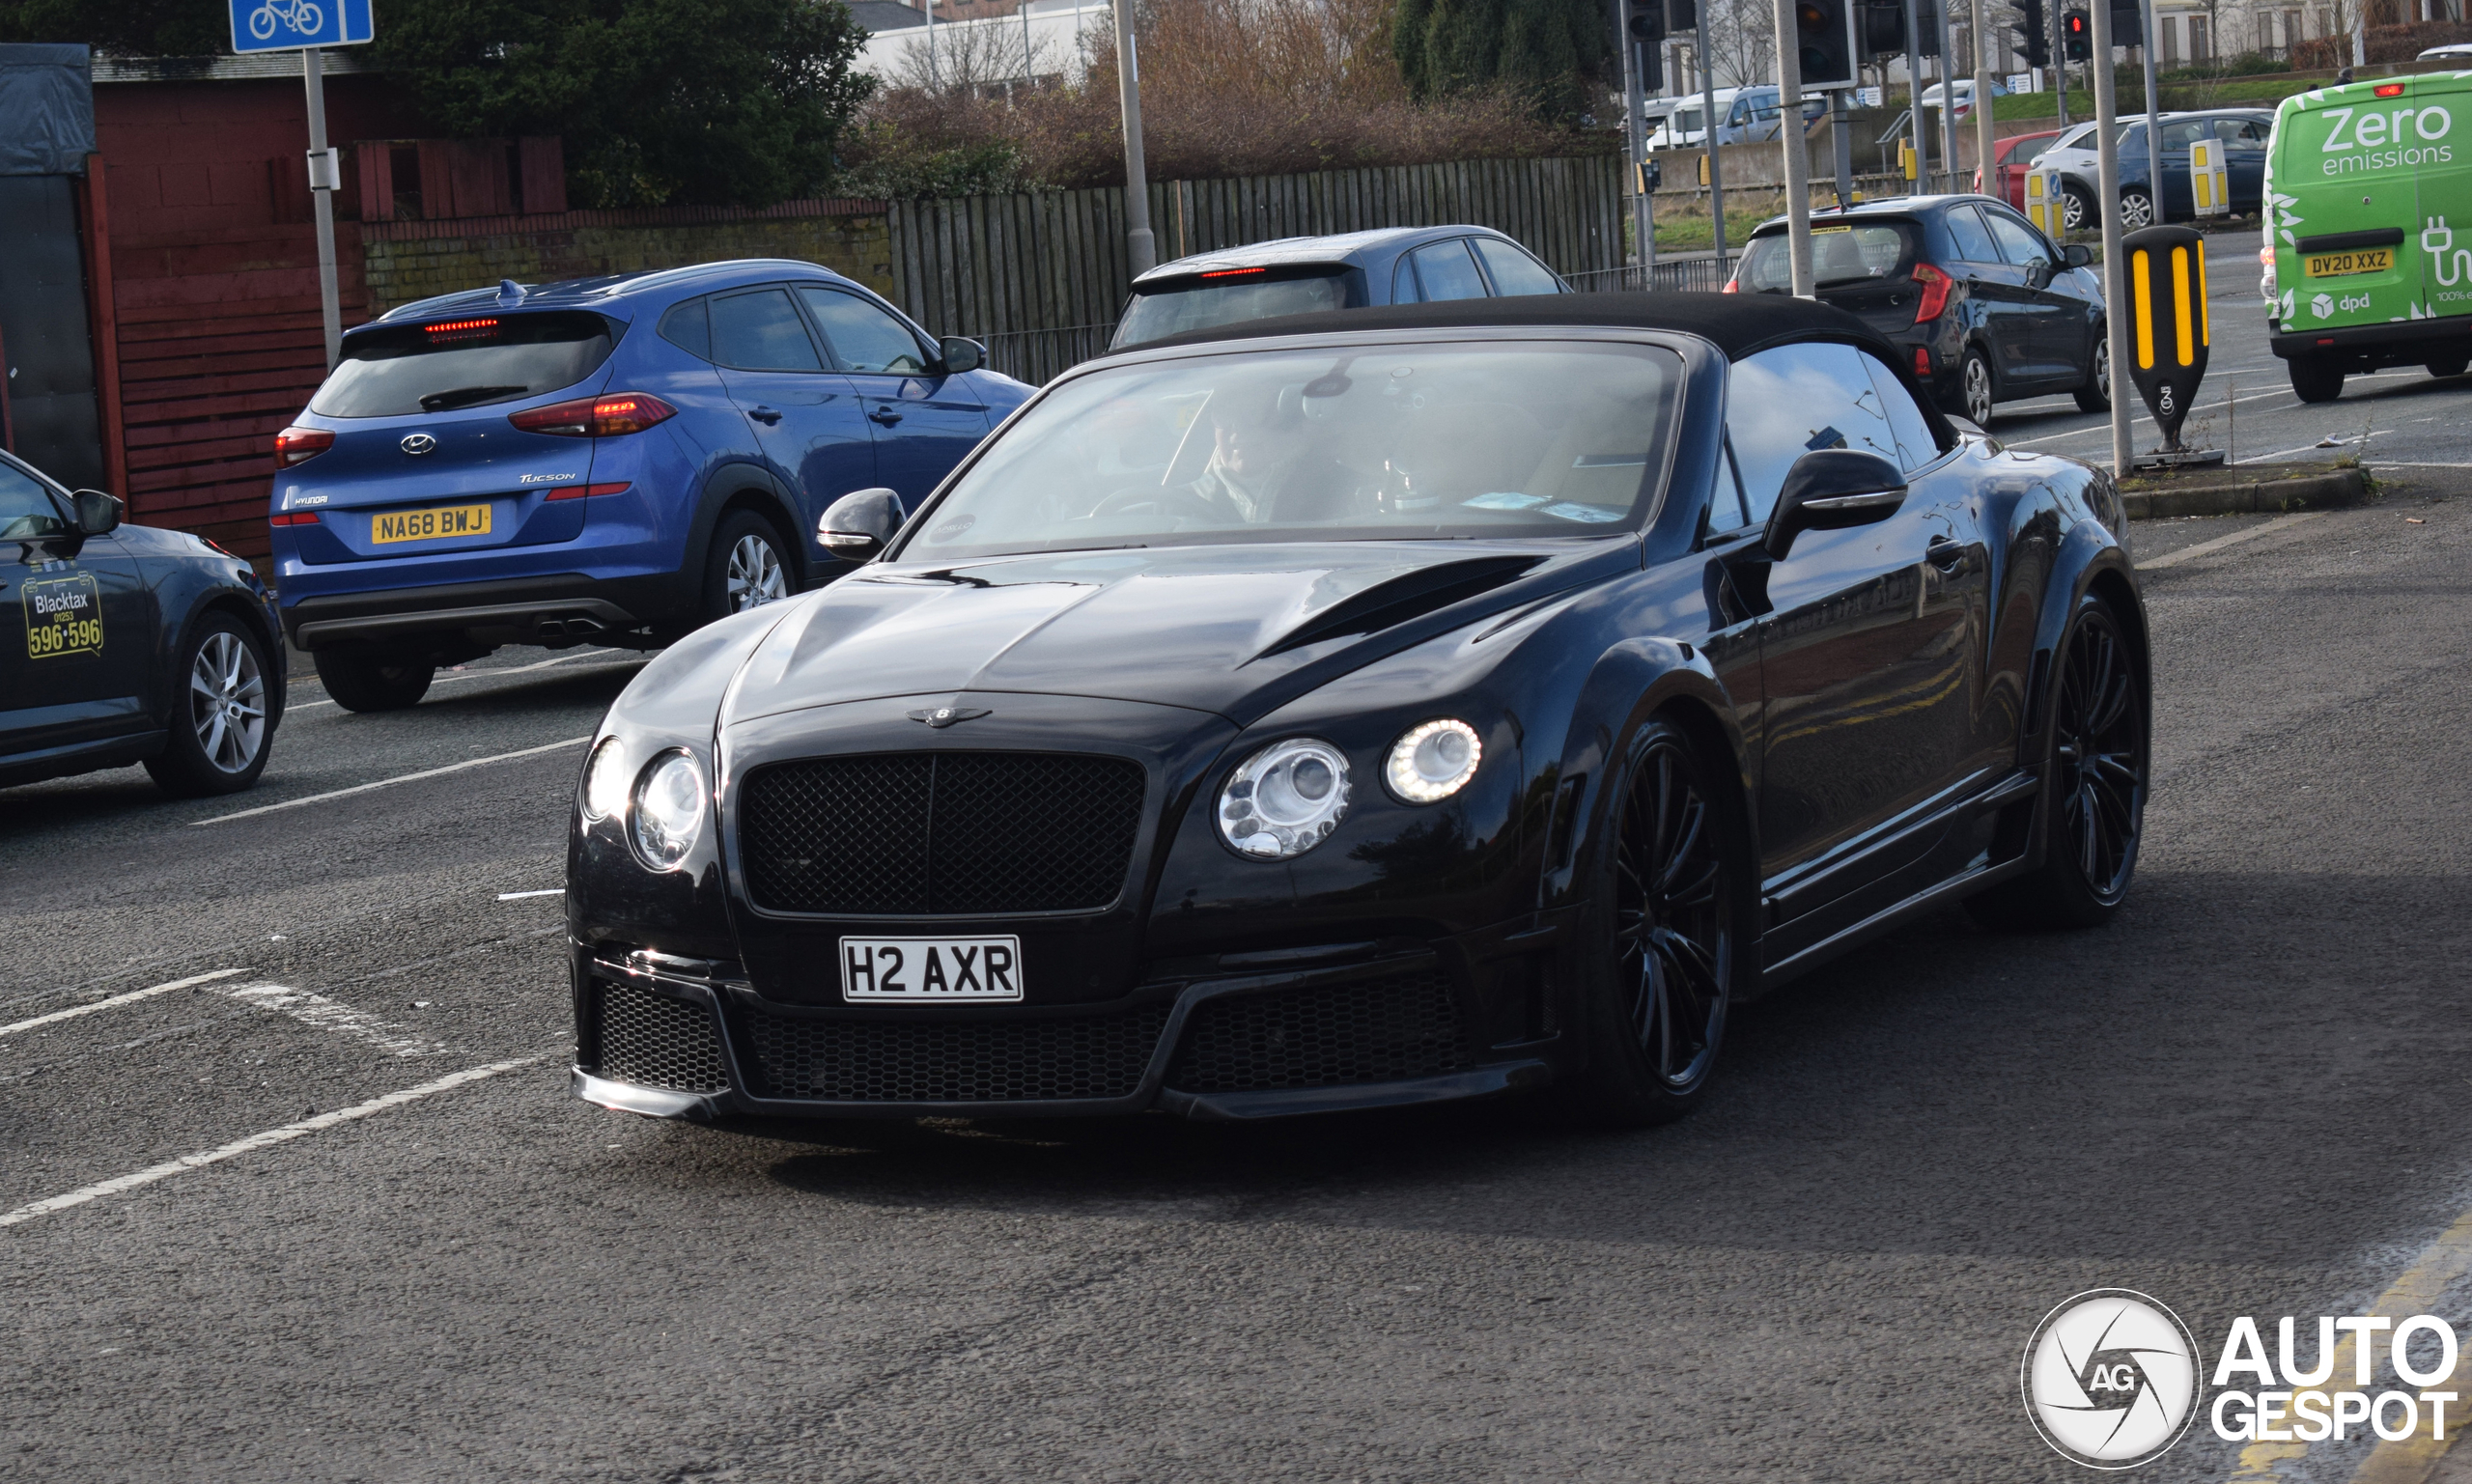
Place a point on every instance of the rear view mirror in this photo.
(861, 524)
(961, 355)
(97, 514)
(2077, 255)
(1829, 490)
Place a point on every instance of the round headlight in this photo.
(670, 811)
(1431, 762)
(1284, 800)
(604, 780)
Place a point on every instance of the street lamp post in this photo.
(1140, 246)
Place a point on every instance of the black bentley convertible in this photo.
(1359, 709)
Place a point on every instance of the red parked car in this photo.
(2010, 157)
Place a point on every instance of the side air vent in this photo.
(1411, 595)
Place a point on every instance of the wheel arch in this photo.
(734, 487)
(243, 608)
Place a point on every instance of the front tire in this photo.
(223, 723)
(1667, 937)
(2094, 799)
(2076, 209)
(2314, 380)
(2095, 396)
(373, 679)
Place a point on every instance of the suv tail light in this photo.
(292, 517)
(595, 417)
(1935, 293)
(294, 444)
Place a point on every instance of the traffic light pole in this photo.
(1634, 104)
(2153, 117)
(1141, 249)
(1947, 94)
(1709, 136)
(1796, 143)
(2115, 262)
(1914, 99)
(1987, 134)
(2059, 44)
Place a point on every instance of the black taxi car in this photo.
(1365, 707)
(125, 644)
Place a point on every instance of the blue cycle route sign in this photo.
(288, 25)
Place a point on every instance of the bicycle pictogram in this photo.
(302, 15)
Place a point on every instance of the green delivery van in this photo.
(2368, 230)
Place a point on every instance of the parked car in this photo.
(125, 644)
(2009, 161)
(1746, 116)
(1965, 97)
(1982, 307)
(1435, 700)
(1297, 274)
(2244, 132)
(2450, 50)
(606, 460)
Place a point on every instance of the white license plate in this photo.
(918, 970)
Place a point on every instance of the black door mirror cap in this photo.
(862, 524)
(959, 354)
(2077, 255)
(1831, 488)
(97, 514)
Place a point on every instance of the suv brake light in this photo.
(294, 444)
(292, 517)
(1935, 293)
(595, 417)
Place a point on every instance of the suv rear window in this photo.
(465, 361)
(1839, 255)
(1210, 300)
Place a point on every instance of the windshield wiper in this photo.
(466, 396)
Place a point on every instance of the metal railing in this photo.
(1036, 356)
(1703, 274)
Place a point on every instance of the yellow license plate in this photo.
(2370, 260)
(429, 524)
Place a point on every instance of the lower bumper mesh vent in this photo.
(655, 1040)
(1383, 1030)
(964, 1061)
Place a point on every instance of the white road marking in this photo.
(518, 896)
(363, 788)
(256, 1141)
(336, 1016)
(131, 997)
(2105, 426)
(512, 669)
(2208, 548)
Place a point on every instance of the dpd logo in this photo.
(2111, 1379)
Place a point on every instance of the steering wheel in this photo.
(1166, 502)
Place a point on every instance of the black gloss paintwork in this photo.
(1558, 666)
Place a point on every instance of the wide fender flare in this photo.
(726, 483)
(1631, 683)
(2087, 556)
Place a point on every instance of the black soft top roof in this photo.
(1739, 325)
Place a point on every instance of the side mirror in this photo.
(2077, 255)
(861, 524)
(961, 355)
(97, 514)
(1831, 488)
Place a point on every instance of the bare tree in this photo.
(974, 56)
(1742, 42)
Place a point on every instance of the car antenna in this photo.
(509, 292)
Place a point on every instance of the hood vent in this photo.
(1408, 595)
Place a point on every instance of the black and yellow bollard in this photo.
(2170, 331)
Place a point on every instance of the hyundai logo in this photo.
(418, 443)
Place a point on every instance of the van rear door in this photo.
(2346, 189)
(2442, 238)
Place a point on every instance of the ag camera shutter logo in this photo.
(2111, 1379)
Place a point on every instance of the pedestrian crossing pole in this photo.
(325, 176)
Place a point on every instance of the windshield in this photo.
(1839, 255)
(1505, 440)
(464, 361)
(1229, 297)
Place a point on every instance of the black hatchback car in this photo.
(1982, 307)
(1364, 708)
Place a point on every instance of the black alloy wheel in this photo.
(1668, 938)
(1974, 385)
(373, 679)
(2095, 396)
(2094, 790)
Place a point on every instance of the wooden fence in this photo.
(1042, 276)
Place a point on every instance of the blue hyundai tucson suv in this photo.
(609, 460)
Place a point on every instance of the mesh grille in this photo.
(1380, 1030)
(653, 1041)
(972, 832)
(960, 1061)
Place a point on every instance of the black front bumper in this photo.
(1384, 1025)
(2368, 346)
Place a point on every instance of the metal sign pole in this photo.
(2115, 262)
(2060, 61)
(322, 193)
(1914, 99)
(1949, 94)
(1709, 136)
(1140, 246)
(1987, 133)
(2153, 113)
(1634, 104)
(1797, 145)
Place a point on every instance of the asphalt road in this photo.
(2247, 1096)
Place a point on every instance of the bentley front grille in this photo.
(953, 833)
(1383, 1028)
(655, 1040)
(955, 1061)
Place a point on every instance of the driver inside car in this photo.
(1266, 462)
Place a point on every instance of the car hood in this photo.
(1235, 630)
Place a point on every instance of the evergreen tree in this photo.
(1543, 49)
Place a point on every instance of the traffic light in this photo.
(1681, 16)
(1883, 29)
(1826, 32)
(2035, 34)
(1926, 20)
(1646, 26)
(2076, 36)
(2128, 24)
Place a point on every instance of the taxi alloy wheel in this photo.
(223, 718)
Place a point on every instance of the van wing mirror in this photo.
(860, 524)
(1829, 490)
